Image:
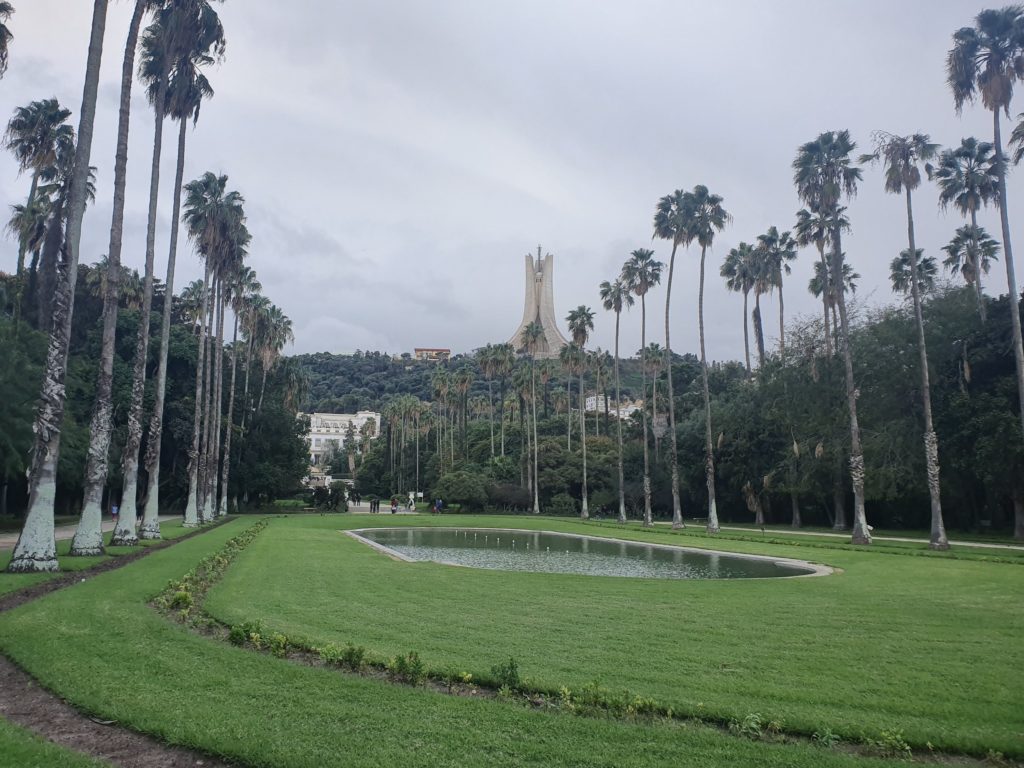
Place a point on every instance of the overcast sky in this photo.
(398, 158)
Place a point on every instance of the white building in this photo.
(327, 432)
(593, 403)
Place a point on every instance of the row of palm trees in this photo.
(182, 38)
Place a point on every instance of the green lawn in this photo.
(103, 648)
(930, 646)
(23, 749)
(12, 581)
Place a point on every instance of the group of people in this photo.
(410, 504)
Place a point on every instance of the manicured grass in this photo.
(926, 645)
(99, 645)
(21, 748)
(10, 582)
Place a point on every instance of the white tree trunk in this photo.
(192, 505)
(709, 456)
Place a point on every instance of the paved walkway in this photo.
(952, 542)
(61, 532)
(385, 509)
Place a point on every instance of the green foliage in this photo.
(506, 674)
(462, 487)
(407, 668)
(562, 504)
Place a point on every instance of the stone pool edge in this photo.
(817, 569)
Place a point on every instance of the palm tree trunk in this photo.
(22, 246)
(824, 296)
(677, 512)
(192, 505)
(861, 534)
(618, 424)
(490, 407)
(568, 412)
(937, 539)
(584, 511)
(246, 405)
(977, 267)
(88, 539)
(124, 533)
(759, 329)
(654, 415)
(218, 408)
(746, 331)
(36, 548)
(1011, 279)
(204, 446)
(794, 502)
(229, 428)
(709, 457)
(536, 478)
(151, 513)
(648, 514)
(782, 322)
(501, 413)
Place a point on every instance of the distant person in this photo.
(394, 506)
(438, 504)
(114, 510)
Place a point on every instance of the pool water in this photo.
(548, 552)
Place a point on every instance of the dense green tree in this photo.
(615, 297)
(581, 323)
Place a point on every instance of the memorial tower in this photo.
(539, 306)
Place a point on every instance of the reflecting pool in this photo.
(548, 552)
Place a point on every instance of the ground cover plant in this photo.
(920, 646)
(199, 692)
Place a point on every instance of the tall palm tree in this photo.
(6, 11)
(672, 221)
(971, 253)
(778, 249)
(653, 360)
(243, 285)
(816, 287)
(36, 547)
(986, 61)
(738, 271)
(614, 298)
(707, 217)
(88, 539)
(567, 361)
(531, 339)
(581, 323)
(187, 87)
(641, 272)
(823, 173)
(901, 157)
(902, 267)
(212, 216)
(968, 179)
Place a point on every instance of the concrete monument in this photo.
(539, 306)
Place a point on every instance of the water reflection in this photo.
(566, 553)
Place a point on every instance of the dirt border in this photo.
(27, 704)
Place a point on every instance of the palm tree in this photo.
(901, 157)
(212, 215)
(6, 11)
(971, 253)
(36, 547)
(778, 249)
(738, 269)
(900, 269)
(672, 221)
(88, 539)
(823, 173)
(614, 297)
(986, 60)
(707, 217)
(641, 272)
(816, 287)
(243, 285)
(187, 87)
(531, 340)
(581, 323)
(968, 179)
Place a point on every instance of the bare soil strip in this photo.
(25, 703)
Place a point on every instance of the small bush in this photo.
(181, 599)
(826, 738)
(890, 743)
(237, 635)
(407, 669)
(278, 645)
(507, 675)
(353, 657)
(562, 504)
